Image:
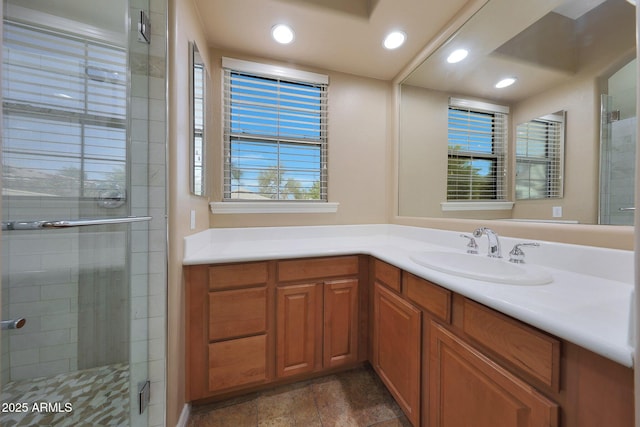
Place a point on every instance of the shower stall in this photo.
(618, 137)
(81, 202)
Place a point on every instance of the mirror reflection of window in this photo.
(540, 157)
(64, 114)
(476, 151)
(198, 111)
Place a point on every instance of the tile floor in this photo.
(97, 397)
(355, 398)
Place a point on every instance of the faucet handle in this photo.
(517, 255)
(472, 246)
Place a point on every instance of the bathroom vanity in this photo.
(267, 306)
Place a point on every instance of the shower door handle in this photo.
(627, 209)
(67, 223)
(13, 323)
(96, 221)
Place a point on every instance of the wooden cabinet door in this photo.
(340, 323)
(396, 348)
(469, 389)
(299, 328)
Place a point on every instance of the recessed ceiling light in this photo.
(283, 34)
(457, 56)
(506, 82)
(394, 39)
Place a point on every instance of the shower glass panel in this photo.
(81, 356)
(618, 148)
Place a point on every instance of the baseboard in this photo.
(184, 415)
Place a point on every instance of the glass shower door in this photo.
(618, 136)
(74, 333)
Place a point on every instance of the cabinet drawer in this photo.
(387, 274)
(238, 275)
(531, 351)
(316, 268)
(237, 313)
(237, 362)
(432, 298)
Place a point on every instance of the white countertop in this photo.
(588, 303)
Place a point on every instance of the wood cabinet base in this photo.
(468, 389)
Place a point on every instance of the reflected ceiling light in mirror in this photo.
(505, 82)
(283, 34)
(394, 40)
(633, 2)
(457, 56)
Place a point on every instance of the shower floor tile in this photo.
(354, 398)
(91, 397)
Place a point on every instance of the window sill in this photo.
(272, 207)
(476, 206)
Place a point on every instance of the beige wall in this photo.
(359, 113)
(358, 168)
(422, 157)
(422, 171)
(363, 176)
(423, 152)
(580, 99)
(184, 26)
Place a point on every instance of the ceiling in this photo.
(545, 44)
(337, 35)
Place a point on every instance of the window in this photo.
(197, 116)
(275, 133)
(64, 122)
(477, 151)
(539, 157)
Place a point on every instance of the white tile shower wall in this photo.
(54, 332)
(139, 173)
(156, 181)
(45, 291)
(40, 284)
(622, 185)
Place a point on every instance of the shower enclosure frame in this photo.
(148, 244)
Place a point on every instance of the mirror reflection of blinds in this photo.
(198, 127)
(476, 154)
(539, 147)
(64, 114)
(275, 134)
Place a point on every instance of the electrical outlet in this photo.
(193, 219)
(557, 211)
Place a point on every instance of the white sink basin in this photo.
(481, 267)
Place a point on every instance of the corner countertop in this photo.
(588, 303)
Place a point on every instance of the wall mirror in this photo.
(540, 157)
(573, 58)
(198, 110)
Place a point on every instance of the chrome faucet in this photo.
(516, 255)
(472, 246)
(494, 242)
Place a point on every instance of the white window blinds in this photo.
(477, 134)
(64, 121)
(199, 73)
(539, 158)
(275, 133)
